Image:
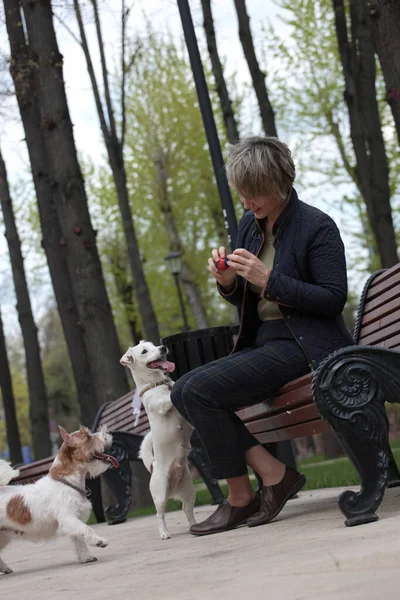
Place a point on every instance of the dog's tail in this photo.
(146, 452)
(7, 473)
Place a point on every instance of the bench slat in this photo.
(292, 432)
(380, 323)
(392, 294)
(279, 404)
(380, 286)
(380, 312)
(386, 274)
(302, 414)
(384, 334)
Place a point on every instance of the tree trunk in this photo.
(191, 290)
(114, 147)
(125, 292)
(384, 21)
(146, 310)
(78, 236)
(13, 438)
(358, 63)
(257, 76)
(24, 75)
(222, 90)
(38, 407)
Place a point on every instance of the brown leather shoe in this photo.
(274, 497)
(226, 517)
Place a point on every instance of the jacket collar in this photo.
(285, 215)
(287, 212)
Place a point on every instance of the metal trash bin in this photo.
(196, 348)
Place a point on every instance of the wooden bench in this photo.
(348, 390)
(128, 433)
(347, 393)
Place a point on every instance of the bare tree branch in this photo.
(85, 47)
(103, 61)
(124, 16)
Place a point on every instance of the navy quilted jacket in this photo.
(308, 280)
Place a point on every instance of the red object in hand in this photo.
(221, 264)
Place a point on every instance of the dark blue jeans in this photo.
(209, 395)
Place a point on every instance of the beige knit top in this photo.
(266, 310)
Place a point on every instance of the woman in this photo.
(288, 278)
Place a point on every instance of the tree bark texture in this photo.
(94, 310)
(191, 290)
(358, 63)
(218, 72)
(13, 437)
(384, 22)
(38, 405)
(125, 291)
(24, 76)
(257, 76)
(114, 147)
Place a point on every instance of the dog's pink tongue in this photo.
(166, 365)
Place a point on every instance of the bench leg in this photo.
(350, 389)
(120, 482)
(95, 498)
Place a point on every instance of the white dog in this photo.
(56, 503)
(165, 449)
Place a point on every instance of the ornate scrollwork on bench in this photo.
(350, 389)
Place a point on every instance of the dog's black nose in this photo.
(163, 349)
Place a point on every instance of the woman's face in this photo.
(262, 206)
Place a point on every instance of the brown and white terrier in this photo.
(57, 503)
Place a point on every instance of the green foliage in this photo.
(163, 125)
(21, 396)
(307, 85)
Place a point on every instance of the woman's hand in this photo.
(250, 267)
(225, 278)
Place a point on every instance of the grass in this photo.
(320, 474)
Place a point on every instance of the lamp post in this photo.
(173, 262)
(209, 122)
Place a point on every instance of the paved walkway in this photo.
(310, 556)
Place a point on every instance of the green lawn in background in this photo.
(320, 474)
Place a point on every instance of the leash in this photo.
(151, 386)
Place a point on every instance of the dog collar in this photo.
(151, 386)
(85, 493)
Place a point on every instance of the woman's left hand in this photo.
(249, 266)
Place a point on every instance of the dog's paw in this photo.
(102, 543)
(89, 559)
(164, 535)
(6, 571)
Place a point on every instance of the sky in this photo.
(163, 14)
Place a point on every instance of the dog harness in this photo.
(151, 386)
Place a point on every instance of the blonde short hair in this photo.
(260, 166)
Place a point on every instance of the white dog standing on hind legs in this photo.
(56, 503)
(165, 449)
